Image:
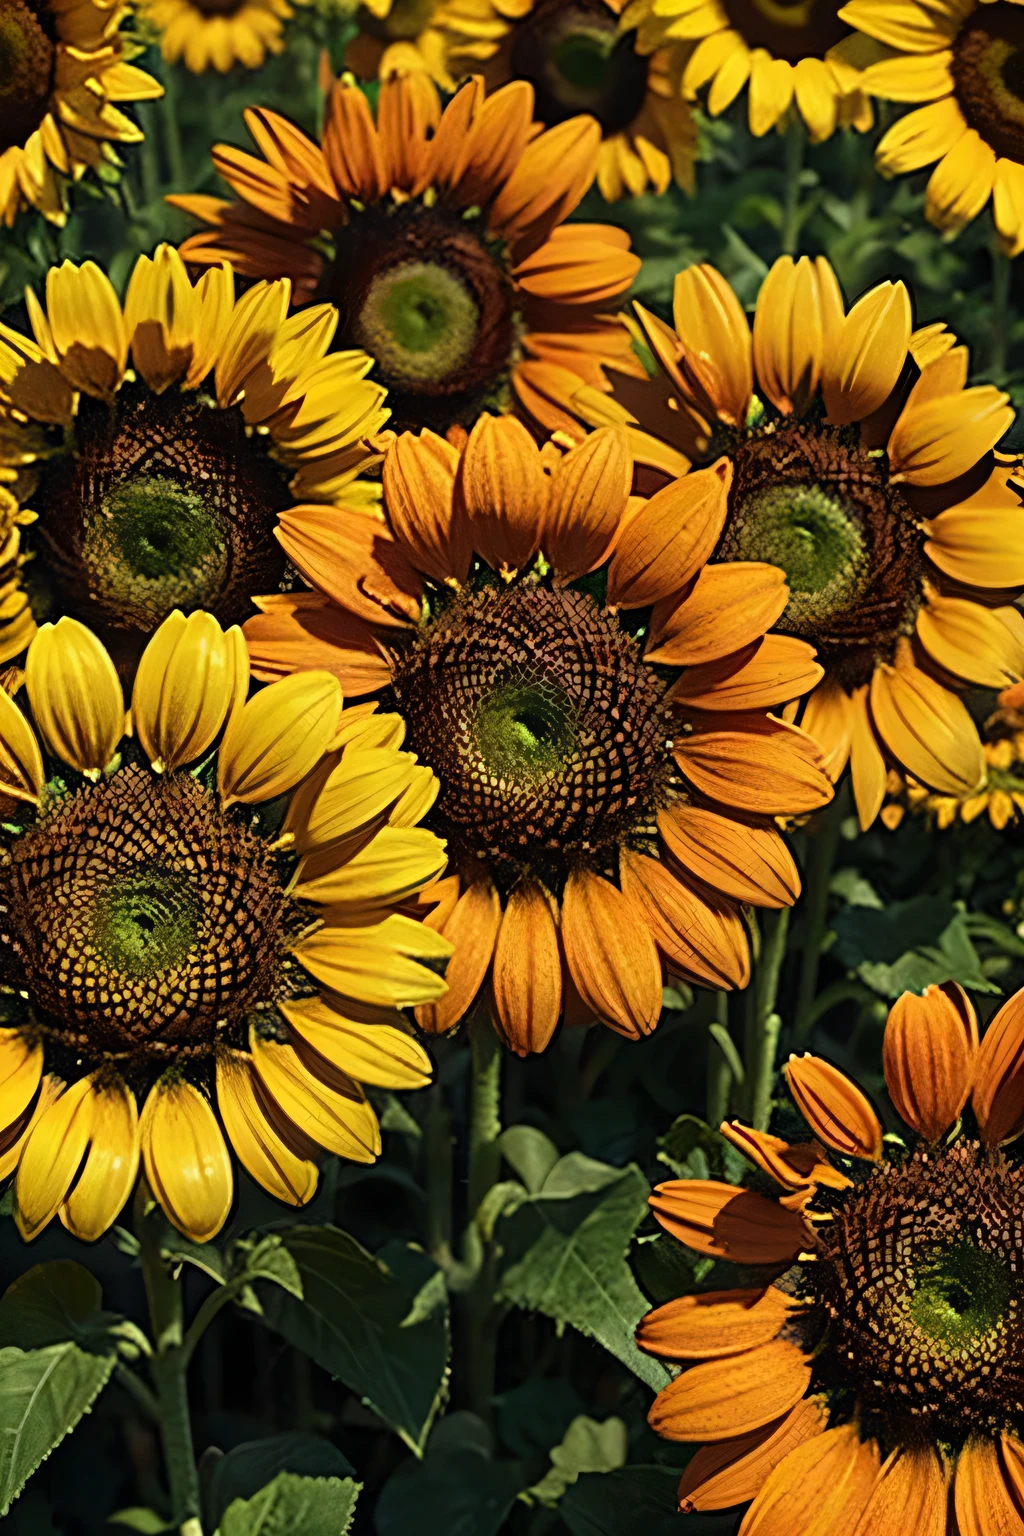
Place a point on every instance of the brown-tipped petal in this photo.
(527, 976)
(505, 492)
(928, 1055)
(927, 729)
(983, 1491)
(717, 349)
(837, 1111)
(472, 926)
(668, 540)
(794, 1165)
(588, 494)
(732, 1471)
(424, 513)
(703, 938)
(729, 1223)
(910, 1496)
(755, 763)
(714, 1324)
(724, 1398)
(861, 371)
(728, 607)
(764, 675)
(748, 862)
(820, 1489)
(998, 1094)
(610, 954)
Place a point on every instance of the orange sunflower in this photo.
(606, 812)
(864, 468)
(877, 1384)
(63, 73)
(440, 238)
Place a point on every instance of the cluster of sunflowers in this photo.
(400, 635)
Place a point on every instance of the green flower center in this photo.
(148, 922)
(420, 321)
(988, 74)
(26, 72)
(811, 536)
(578, 61)
(961, 1295)
(524, 730)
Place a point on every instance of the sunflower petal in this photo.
(111, 1163)
(505, 492)
(870, 350)
(728, 607)
(755, 763)
(527, 976)
(715, 1324)
(726, 1397)
(610, 954)
(911, 1494)
(927, 729)
(186, 1161)
(700, 938)
(834, 1107)
(381, 1052)
(998, 1091)
(472, 927)
(249, 1120)
(278, 737)
(75, 695)
(419, 477)
(189, 677)
(725, 1222)
(333, 1114)
(51, 1157)
(587, 498)
(820, 1489)
(748, 862)
(928, 1054)
(717, 347)
(733, 1471)
(668, 540)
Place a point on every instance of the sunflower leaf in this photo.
(316, 1506)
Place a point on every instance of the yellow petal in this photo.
(158, 317)
(384, 1054)
(395, 864)
(75, 695)
(51, 1157)
(970, 641)
(249, 1121)
(792, 326)
(336, 1117)
(365, 784)
(21, 1067)
(423, 510)
(186, 1160)
(867, 764)
(717, 350)
(188, 678)
(940, 439)
(505, 492)
(21, 763)
(587, 499)
(111, 1163)
(378, 963)
(870, 350)
(278, 737)
(927, 729)
(87, 327)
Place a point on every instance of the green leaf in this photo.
(909, 945)
(48, 1304)
(692, 1150)
(381, 1328)
(587, 1446)
(43, 1395)
(267, 1258)
(530, 1153)
(632, 1501)
(145, 1521)
(314, 1506)
(566, 1250)
(454, 1493)
(244, 1471)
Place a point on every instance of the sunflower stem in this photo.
(484, 1111)
(795, 143)
(1002, 271)
(763, 1023)
(720, 1073)
(438, 1154)
(172, 137)
(480, 1315)
(825, 835)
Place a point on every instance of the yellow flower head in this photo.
(218, 34)
(62, 83)
(152, 445)
(189, 957)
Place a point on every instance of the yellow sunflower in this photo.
(863, 467)
(401, 37)
(218, 34)
(186, 962)
(797, 55)
(446, 251)
(963, 60)
(63, 73)
(1001, 792)
(159, 486)
(608, 813)
(875, 1386)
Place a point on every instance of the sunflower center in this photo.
(988, 75)
(138, 921)
(789, 29)
(822, 510)
(578, 61)
(218, 7)
(921, 1273)
(405, 20)
(166, 503)
(26, 72)
(545, 728)
(431, 300)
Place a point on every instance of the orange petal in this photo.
(937, 440)
(755, 763)
(552, 175)
(505, 492)
(928, 1055)
(998, 1095)
(472, 926)
(764, 675)
(666, 543)
(729, 1223)
(351, 147)
(867, 765)
(910, 1495)
(610, 954)
(828, 717)
(794, 1165)
(983, 1492)
(861, 371)
(792, 321)
(701, 938)
(749, 863)
(971, 641)
(732, 1471)
(423, 511)
(306, 632)
(717, 349)
(714, 1324)
(820, 1489)
(527, 976)
(724, 1398)
(837, 1111)
(927, 729)
(728, 607)
(587, 498)
(354, 560)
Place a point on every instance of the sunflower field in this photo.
(512, 767)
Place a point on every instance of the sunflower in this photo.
(401, 37)
(884, 1362)
(795, 55)
(607, 813)
(964, 61)
(448, 257)
(176, 934)
(63, 73)
(218, 34)
(160, 487)
(863, 467)
(1001, 793)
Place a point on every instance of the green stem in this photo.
(763, 1023)
(824, 840)
(437, 1148)
(481, 1330)
(484, 1111)
(171, 135)
(719, 1071)
(795, 144)
(1002, 271)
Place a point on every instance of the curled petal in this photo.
(837, 1111)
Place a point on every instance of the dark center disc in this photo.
(577, 60)
(166, 503)
(540, 719)
(988, 73)
(27, 56)
(789, 29)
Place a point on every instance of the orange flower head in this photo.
(446, 250)
(884, 1361)
(607, 810)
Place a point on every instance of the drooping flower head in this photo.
(218, 34)
(188, 958)
(862, 467)
(797, 56)
(63, 81)
(159, 487)
(963, 60)
(604, 811)
(885, 1360)
(449, 259)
